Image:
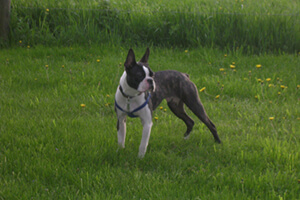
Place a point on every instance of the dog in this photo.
(141, 91)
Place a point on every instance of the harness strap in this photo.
(130, 114)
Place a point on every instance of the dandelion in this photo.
(218, 96)
(233, 63)
(63, 66)
(258, 66)
(107, 104)
(298, 86)
(165, 110)
(98, 60)
(279, 93)
(156, 118)
(20, 41)
(161, 108)
(256, 97)
(268, 79)
(107, 95)
(270, 102)
(283, 87)
(202, 89)
(271, 118)
(185, 51)
(225, 55)
(232, 66)
(82, 105)
(47, 10)
(28, 47)
(271, 85)
(259, 80)
(222, 69)
(46, 66)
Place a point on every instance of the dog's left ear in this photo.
(146, 56)
(130, 60)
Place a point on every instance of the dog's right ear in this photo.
(130, 60)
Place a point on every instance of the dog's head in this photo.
(139, 75)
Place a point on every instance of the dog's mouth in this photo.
(151, 85)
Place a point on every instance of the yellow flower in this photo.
(232, 66)
(268, 79)
(161, 107)
(63, 66)
(259, 80)
(271, 118)
(107, 95)
(165, 110)
(47, 10)
(156, 118)
(202, 89)
(20, 41)
(186, 51)
(218, 96)
(28, 47)
(98, 60)
(256, 97)
(233, 63)
(271, 85)
(222, 69)
(46, 66)
(279, 93)
(82, 105)
(270, 102)
(298, 86)
(225, 55)
(283, 87)
(258, 66)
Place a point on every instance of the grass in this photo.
(51, 147)
(255, 27)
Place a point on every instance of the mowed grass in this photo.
(53, 147)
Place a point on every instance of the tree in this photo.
(4, 19)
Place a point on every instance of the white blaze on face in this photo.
(144, 85)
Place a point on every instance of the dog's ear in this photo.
(146, 56)
(130, 60)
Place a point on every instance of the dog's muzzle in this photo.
(151, 84)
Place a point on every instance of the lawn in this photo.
(58, 135)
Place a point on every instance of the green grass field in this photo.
(60, 69)
(51, 147)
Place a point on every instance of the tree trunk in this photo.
(4, 19)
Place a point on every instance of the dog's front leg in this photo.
(147, 125)
(121, 127)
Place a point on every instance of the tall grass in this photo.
(256, 26)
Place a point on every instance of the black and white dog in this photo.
(141, 91)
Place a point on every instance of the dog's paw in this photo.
(186, 137)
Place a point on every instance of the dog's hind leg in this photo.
(177, 107)
(193, 102)
(197, 108)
